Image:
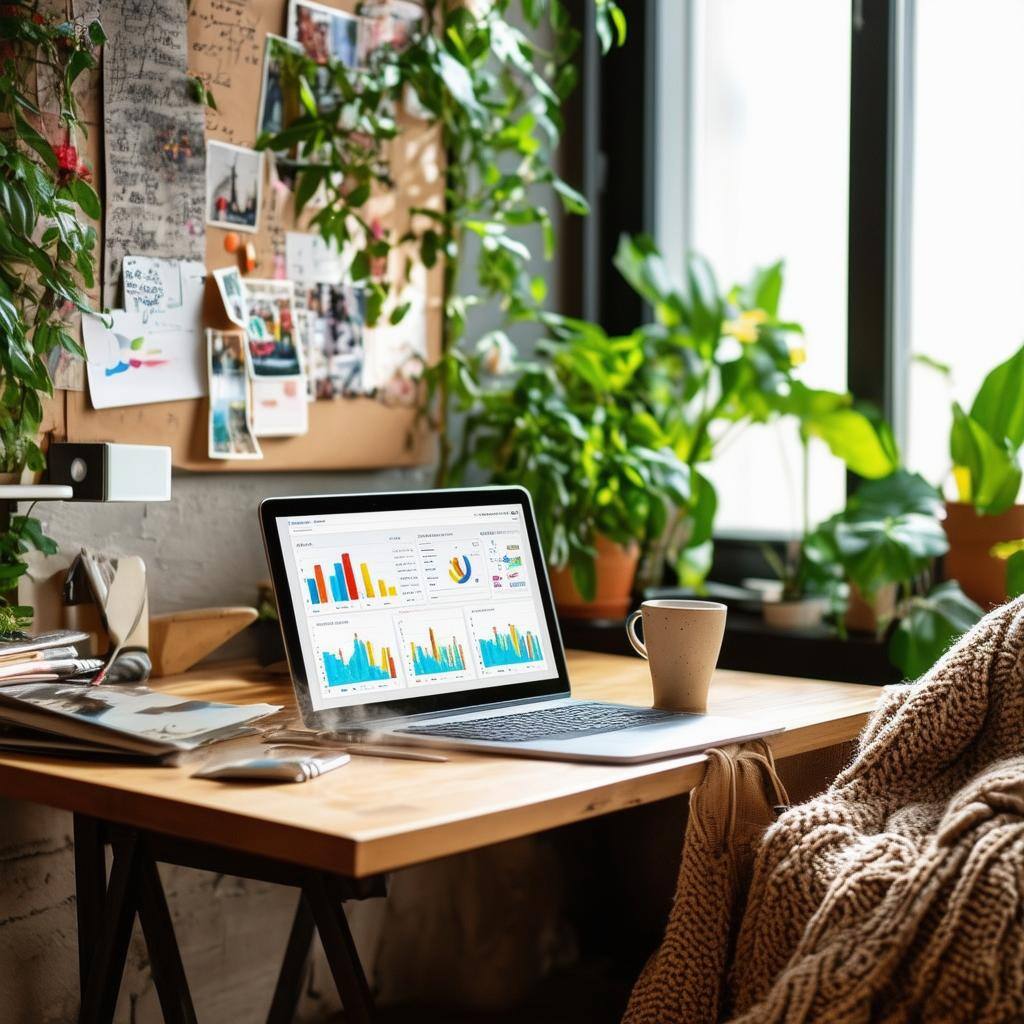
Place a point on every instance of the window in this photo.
(764, 175)
(966, 267)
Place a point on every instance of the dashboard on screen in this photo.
(397, 604)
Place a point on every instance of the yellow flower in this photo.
(962, 479)
(744, 327)
(797, 355)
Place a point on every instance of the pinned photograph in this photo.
(234, 179)
(274, 346)
(335, 317)
(272, 115)
(387, 23)
(231, 434)
(280, 408)
(325, 34)
(232, 294)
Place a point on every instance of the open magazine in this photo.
(114, 719)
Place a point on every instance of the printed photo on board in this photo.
(230, 432)
(234, 178)
(271, 115)
(325, 34)
(232, 294)
(335, 319)
(391, 23)
(274, 342)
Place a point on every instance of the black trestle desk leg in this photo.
(106, 964)
(342, 955)
(293, 967)
(90, 890)
(164, 955)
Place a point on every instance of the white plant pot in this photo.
(803, 614)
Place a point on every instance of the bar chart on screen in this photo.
(357, 653)
(373, 575)
(435, 646)
(507, 637)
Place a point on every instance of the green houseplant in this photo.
(600, 468)
(885, 542)
(985, 444)
(717, 362)
(47, 251)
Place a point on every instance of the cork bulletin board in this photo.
(225, 41)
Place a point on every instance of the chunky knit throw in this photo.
(896, 895)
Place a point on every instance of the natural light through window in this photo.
(967, 202)
(770, 172)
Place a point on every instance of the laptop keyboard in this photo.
(553, 723)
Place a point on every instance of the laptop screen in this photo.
(398, 604)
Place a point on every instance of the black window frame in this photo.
(613, 147)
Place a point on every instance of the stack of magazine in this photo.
(45, 657)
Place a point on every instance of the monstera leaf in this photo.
(930, 627)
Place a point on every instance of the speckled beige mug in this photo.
(681, 643)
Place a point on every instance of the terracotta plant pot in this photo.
(803, 614)
(616, 571)
(982, 577)
(863, 616)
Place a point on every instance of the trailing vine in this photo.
(496, 96)
(47, 252)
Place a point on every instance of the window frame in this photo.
(633, 188)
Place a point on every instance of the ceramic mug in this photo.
(681, 643)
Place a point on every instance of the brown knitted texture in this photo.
(895, 895)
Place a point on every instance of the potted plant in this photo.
(884, 541)
(599, 467)
(985, 445)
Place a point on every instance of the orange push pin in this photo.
(232, 242)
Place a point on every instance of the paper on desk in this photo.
(154, 350)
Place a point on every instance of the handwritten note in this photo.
(155, 165)
(151, 285)
(226, 52)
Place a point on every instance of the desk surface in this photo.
(377, 815)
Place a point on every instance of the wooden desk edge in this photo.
(360, 857)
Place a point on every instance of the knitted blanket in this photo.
(896, 895)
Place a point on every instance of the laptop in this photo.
(426, 618)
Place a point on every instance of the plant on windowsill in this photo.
(985, 445)
(715, 364)
(601, 470)
(47, 255)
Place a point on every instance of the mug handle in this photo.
(638, 644)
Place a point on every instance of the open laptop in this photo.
(426, 618)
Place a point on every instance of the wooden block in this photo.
(178, 640)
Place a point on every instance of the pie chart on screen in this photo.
(460, 569)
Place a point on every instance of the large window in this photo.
(762, 147)
(768, 170)
(965, 208)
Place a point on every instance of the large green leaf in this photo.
(993, 470)
(999, 405)
(864, 442)
(930, 627)
(1015, 574)
(897, 494)
(894, 549)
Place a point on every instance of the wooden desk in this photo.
(377, 815)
